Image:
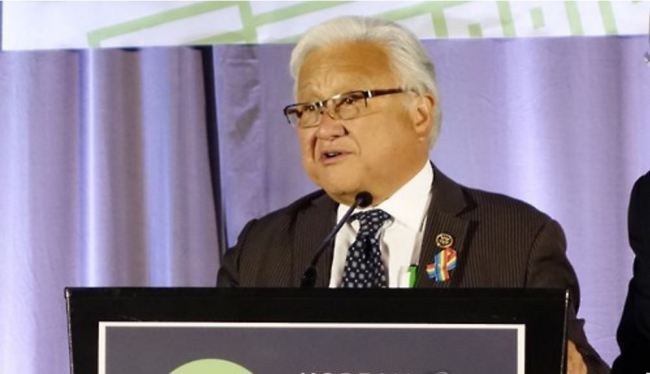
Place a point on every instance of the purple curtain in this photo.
(104, 181)
(108, 175)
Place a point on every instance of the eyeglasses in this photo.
(345, 106)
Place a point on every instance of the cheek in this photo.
(307, 138)
(389, 140)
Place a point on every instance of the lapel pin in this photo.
(444, 261)
(444, 240)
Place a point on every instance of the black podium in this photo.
(286, 331)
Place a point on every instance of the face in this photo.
(377, 152)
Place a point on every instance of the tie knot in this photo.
(371, 220)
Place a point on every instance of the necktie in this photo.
(363, 265)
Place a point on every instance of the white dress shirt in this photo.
(400, 238)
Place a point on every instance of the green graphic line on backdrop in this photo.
(609, 21)
(300, 9)
(537, 17)
(474, 30)
(436, 9)
(266, 18)
(507, 21)
(95, 37)
(246, 14)
(575, 24)
(247, 34)
(250, 22)
(439, 23)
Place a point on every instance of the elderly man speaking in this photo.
(366, 116)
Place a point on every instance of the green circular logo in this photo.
(211, 366)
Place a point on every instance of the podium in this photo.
(317, 331)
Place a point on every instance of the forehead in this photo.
(348, 66)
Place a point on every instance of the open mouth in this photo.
(331, 156)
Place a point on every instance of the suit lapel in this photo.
(312, 226)
(447, 204)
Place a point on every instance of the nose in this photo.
(329, 126)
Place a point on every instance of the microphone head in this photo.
(309, 278)
(363, 199)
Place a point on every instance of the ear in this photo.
(422, 114)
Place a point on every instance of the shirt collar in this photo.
(409, 204)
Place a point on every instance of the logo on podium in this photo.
(211, 366)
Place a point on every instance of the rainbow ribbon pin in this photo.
(444, 262)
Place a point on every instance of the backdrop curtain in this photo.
(115, 168)
(104, 181)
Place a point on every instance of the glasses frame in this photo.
(322, 104)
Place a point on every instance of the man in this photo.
(634, 330)
(367, 114)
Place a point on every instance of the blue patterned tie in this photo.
(363, 265)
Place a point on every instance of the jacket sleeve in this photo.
(633, 334)
(549, 267)
(228, 274)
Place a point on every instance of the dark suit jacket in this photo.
(500, 242)
(634, 330)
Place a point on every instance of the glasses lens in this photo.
(304, 115)
(293, 114)
(349, 105)
(345, 106)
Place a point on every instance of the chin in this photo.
(343, 193)
(342, 185)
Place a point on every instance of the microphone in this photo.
(362, 200)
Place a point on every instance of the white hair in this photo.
(407, 57)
